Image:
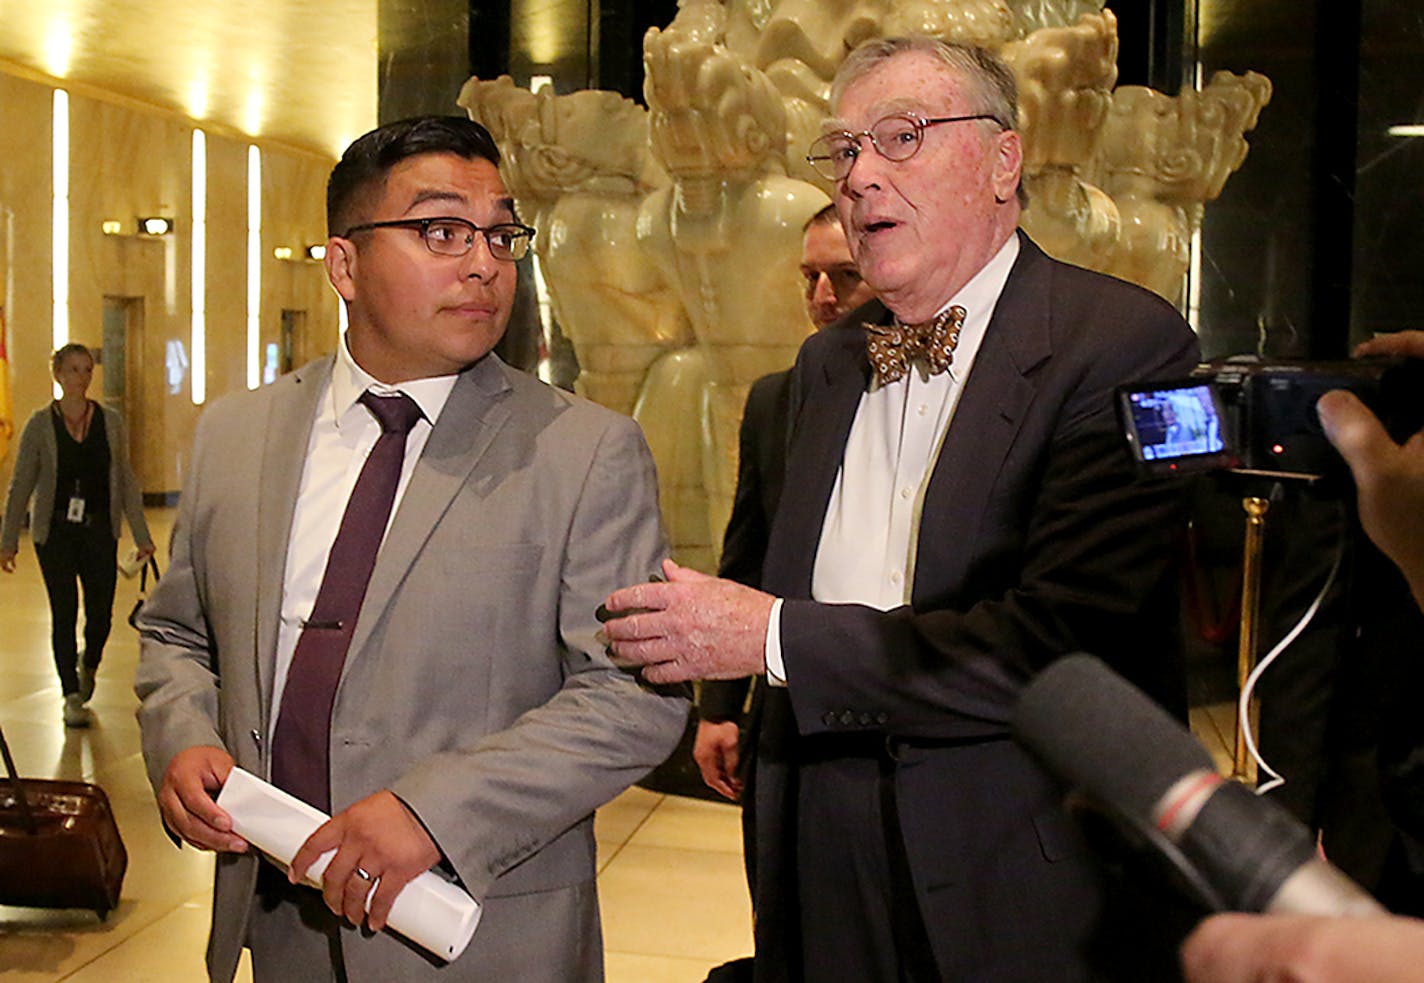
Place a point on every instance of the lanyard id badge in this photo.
(75, 512)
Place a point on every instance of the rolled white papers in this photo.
(430, 911)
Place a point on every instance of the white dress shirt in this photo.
(866, 553)
(342, 437)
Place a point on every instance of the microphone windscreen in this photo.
(1097, 731)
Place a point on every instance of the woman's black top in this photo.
(83, 471)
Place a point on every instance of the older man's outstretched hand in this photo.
(690, 627)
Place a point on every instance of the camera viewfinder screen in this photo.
(1178, 422)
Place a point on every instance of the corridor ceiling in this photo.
(302, 73)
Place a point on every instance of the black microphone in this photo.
(1098, 732)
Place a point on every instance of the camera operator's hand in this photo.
(1390, 478)
(1402, 344)
(1238, 948)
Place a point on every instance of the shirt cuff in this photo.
(775, 664)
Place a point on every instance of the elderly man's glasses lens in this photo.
(456, 237)
(895, 138)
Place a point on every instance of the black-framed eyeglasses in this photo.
(450, 236)
(896, 137)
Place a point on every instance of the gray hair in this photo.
(991, 82)
(992, 85)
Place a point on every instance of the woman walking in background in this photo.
(73, 460)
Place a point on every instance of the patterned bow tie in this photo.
(893, 347)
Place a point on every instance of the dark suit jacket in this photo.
(761, 460)
(1036, 540)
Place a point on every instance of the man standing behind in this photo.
(966, 513)
(833, 289)
(438, 691)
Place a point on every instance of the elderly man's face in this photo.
(919, 229)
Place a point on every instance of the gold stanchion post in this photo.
(1244, 768)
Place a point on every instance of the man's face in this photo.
(415, 314)
(833, 284)
(919, 229)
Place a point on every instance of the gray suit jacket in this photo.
(474, 687)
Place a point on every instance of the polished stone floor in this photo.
(670, 871)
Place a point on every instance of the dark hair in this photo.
(358, 177)
(64, 351)
(826, 216)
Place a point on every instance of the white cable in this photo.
(1243, 704)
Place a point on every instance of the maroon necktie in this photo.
(301, 742)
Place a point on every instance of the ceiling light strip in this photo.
(200, 268)
(59, 221)
(254, 266)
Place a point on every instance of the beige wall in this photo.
(127, 161)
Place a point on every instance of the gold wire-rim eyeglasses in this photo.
(834, 154)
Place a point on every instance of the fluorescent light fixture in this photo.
(199, 344)
(59, 221)
(1407, 130)
(254, 266)
(155, 225)
(282, 252)
(113, 227)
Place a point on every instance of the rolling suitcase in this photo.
(59, 844)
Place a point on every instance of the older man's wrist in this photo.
(775, 664)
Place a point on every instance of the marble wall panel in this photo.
(25, 243)
(294, 203)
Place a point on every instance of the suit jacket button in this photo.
(847, 717)
(882, 718)
(829, 718)
(866, 719)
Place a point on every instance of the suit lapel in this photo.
(478, 407)
(290, 417)
(986, 422)
(828, 399)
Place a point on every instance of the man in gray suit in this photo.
(475, 723)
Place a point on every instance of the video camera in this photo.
(1258, 418)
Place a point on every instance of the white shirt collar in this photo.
(978, 297)
(349, 381)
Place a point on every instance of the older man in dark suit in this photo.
(965, 512)
(834, 287)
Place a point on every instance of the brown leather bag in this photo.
(59, 844)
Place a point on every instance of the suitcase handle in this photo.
(27, 816)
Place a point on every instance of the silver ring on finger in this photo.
(364, 874)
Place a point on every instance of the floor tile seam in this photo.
(109, 949)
